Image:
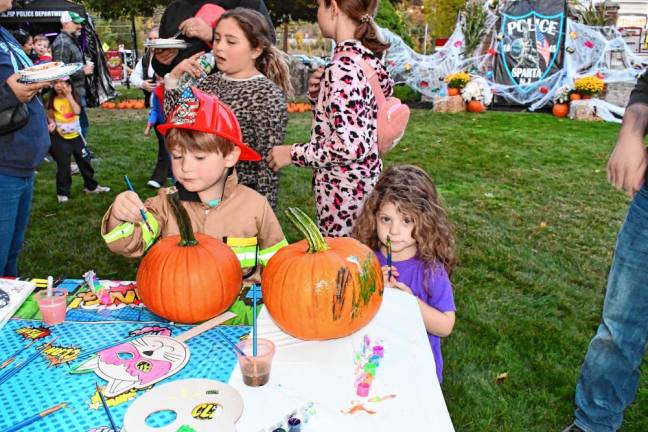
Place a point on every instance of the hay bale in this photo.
(583, 110)
(449, 104)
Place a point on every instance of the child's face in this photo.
(60, 86)
(202, 172)
(399, 227)
(41, 47)
(326, 18)
(29, 45)
(232, 49)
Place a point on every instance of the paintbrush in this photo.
(389, 259)
(35, 418)
(105, 405)
(142, 212)
(14, 355)
(229, 342)
(17, 368)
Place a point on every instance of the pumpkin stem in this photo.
(305, 225)
(187, 237)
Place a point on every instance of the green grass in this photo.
(528, 298)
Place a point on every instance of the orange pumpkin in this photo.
(140, 104)
(476, 106)
(560, 110)
(121, 105)
(452, 91)
(188, 278)
(574, 96)
(322, 288)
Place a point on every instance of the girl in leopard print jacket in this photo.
(343, 148)
(253, 81)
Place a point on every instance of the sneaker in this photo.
(62, 198)
(573, 428)
(74, 168)
(99, 189)
(154, 184)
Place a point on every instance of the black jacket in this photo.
(180, 10)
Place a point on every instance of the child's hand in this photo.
(279, 157)
(51, 126)
(394, 274)
(393, 283)
(189, 65)
(314, 83)
(147, 130)
(401, 286)
(126, 207)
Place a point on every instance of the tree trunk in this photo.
(285, 36)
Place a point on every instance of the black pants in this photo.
(61, 151)
(163, 166)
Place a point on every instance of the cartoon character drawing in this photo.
(137, 364)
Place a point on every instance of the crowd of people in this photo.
(221, 141)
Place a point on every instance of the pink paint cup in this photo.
(52, 308)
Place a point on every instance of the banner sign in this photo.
(531, 40)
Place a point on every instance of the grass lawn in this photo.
(535, 221)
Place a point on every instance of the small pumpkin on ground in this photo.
(191, 277)
(475, 106)
(560, 110)
(322, 288)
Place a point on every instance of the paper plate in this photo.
(167, 44)
(40, 74)
(204, 405)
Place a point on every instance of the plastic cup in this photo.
(52, 308)
(256, 370)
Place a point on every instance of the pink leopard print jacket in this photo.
(343, 148)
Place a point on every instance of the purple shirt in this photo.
(411, 273)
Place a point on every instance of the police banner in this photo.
(530, 42)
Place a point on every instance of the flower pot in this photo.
(574, 96)
(476, 106)
(560, 110)
(452, 91)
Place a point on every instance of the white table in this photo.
(323, 372)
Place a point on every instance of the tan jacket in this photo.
(243, 220)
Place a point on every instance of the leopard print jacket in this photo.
(262, 113)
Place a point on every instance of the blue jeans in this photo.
(610, 373)
(15, 206)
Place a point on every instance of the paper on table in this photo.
(12, 294)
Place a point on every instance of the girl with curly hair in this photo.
(404, 213)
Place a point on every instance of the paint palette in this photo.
(201, 404)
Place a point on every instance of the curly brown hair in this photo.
(412, 191)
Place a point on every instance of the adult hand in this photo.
(189, 65)
(196, 28)
(88, 68)
(25, 92)
(149, 85)
(279, 157)
(126, 208)
(165, 56)
(627, 165)
(314, 83)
